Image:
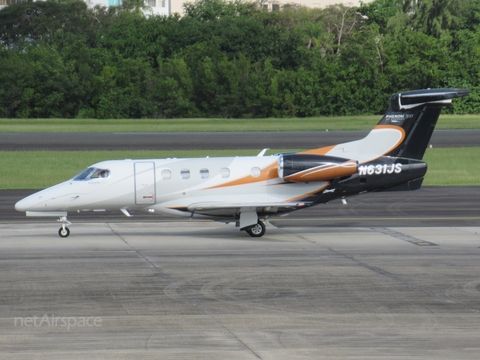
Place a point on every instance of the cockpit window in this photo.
(92, 173)
(84, 174)
(100, 174)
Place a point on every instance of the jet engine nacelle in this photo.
(310, 167)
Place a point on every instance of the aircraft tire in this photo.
(257, 230)
(64, 232)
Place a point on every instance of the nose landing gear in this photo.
(64, 231)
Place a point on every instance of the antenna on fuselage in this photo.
(261, 153)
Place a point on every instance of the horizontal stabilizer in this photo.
(410, 99)
(417, 112)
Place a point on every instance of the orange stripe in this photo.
(390, 127)
(270, 172)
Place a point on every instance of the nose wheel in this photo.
(64, 231)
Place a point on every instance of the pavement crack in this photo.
(241, 341)
(131, 247)
(376, 269)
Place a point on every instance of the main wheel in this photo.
(64, 232)
(257, 230)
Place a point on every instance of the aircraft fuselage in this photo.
(250, 189)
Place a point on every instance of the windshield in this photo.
(92, 173)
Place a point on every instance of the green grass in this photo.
(453, 166)
(206, 125)
(40, 169)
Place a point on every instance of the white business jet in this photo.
(249, 190)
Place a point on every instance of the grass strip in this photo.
(452, 166)
(218, 125)
(40, 169)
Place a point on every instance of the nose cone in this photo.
(21, 205)
(29, 202)
(42, 200)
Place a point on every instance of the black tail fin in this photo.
(404, 131)
(417, 113)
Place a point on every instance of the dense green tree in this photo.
(172, 90)
(16, 81)
(380, 12)
(417, 61)
(232, 59)
(212, 10)
(28, 22)
(438, 17)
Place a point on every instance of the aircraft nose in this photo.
(21, 205)
(27, 203)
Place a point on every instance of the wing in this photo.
(220, 208)
(247, 213)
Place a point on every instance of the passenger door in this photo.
(144, 183)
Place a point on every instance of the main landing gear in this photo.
(257, 230)
(64, 231)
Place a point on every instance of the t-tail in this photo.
(404, 131)
(417, 112)
(388, 158)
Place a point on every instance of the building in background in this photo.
(152, 7)
(168, 7)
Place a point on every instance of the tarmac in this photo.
(209, 140)
(388, 276)
(202, 290)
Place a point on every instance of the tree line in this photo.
(63, 59)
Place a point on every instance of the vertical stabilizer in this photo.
(417, 112)
(404, 131)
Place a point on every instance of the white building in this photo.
(152, 7)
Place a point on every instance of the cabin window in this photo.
(225, 172)
(204, 173)
(166, 174)
(185, 174)
(255, 172)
